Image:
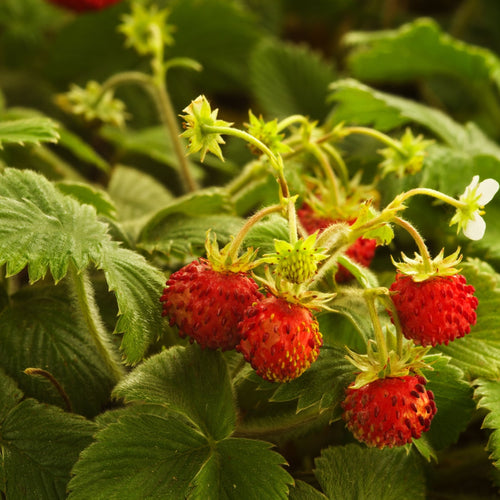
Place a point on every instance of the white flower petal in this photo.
(475, 228)
(487, 190)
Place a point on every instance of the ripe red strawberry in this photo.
(389, 411)
(361, 251)
(207, 305)
(84, 5)
(279, 339)
(435, 311)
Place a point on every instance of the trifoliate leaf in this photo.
(487, 394)
(137, 286)
(352, 472)
(28, 130)
(43, 316)
(40, 444)
(190, 381)
(43, 229)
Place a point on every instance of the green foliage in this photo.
(487, 393)
(28, 130)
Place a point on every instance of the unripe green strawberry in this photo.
(436, 310)
(389, 411)
(361, 251)
(279, 339)
(84, 5)
(207, 305)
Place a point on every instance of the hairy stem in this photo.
(44, 373)
(85, 300)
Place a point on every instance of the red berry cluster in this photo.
(361, 251)
(84, 5)
(224, 310)
(389, 411)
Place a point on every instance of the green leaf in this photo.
(190, 381)
(43, 229)
(89, 195)
(81, 149)
(137, 286)
(418, 49)
(360, 104)
(241, 469)
(354, 472)
(487, 394)
(28, 130)
(453, 397)
(10, 394)
(478, 353)
(304, 491)
(262, 235)
(42, 316)
(323, 384)
(40, 444)
(290, 79)
(140, 456)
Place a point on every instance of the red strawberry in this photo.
(435, 311)
(389, 411)
(83, 5)
(279, 339)
(361, 251)
(207, 305)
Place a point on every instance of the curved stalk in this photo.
(84, 297)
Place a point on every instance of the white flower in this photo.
(475, 197)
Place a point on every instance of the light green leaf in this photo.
(262, 235)
(241, 469)
(43, 229)
(42, 316)
(290, 79)
(28, 130)
(323, 384)
(89, 195)
(40, 444)
(363, 105)
(352, 472)
(453, 397)
(487, 394)
(137, 286)
(188, 380)
(418, 49)
(478, 353)
(152, 456)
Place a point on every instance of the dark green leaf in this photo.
(42, 329)
(354, 472)
(304, 491)
(137, 286)
(40, 444)
(488, 397)
(322, 384)
(453, 397)
(153, 456)
(241, 469)
(290, 79)
(189, 380)
(10, 394)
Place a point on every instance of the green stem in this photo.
(290, 120)
(380, 136)
(342, 167)
(84, 295)
(377, 328)
(429, 192)
(157, 89)
(327, 169)
(389, 304)
(424, 252)
(251, 221)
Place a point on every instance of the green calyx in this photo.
(223, 261)
(411, 360)
(267, 133)
(420, 270)
(298, 262)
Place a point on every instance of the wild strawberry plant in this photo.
(295, 298)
